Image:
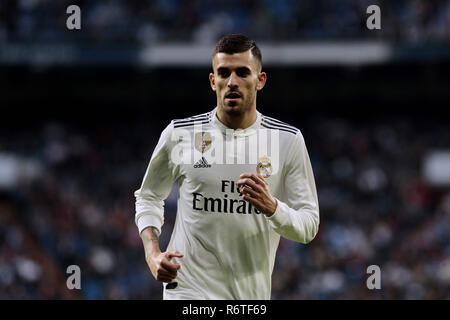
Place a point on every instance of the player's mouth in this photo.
(233, 96)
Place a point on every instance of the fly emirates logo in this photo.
(225, 204)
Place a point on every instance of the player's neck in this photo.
(242, 121)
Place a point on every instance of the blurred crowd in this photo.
(76, 206)
(148, 21)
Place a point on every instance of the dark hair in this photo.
(237, 43)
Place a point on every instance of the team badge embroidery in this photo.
(203, 141)
(264, 167)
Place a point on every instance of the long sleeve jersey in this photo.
(229, 246)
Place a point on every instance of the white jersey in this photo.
(229, 247)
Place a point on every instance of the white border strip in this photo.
(273, 55)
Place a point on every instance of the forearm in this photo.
(299, 225)
(150, 239)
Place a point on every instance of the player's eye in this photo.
(224, 73)
(243, 72)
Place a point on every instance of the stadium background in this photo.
(81, 112)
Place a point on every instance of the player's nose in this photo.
(232, 81)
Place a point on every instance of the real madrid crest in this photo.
(203, 141)
(264, 167)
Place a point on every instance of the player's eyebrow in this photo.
(243, 69)
(222, 69)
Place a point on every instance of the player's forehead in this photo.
(234, 60)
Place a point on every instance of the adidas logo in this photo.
(202, 163)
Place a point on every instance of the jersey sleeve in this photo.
(297, 218)
(156, 185)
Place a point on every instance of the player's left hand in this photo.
(258, 194)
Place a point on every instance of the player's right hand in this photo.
(161, 267)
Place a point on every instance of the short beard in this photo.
(235, 112)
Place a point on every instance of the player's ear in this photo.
(212, 81)
(262, 78)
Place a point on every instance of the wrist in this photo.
(273, 208)
(152, 253)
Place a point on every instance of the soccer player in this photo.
(231, 213)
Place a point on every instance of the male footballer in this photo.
(235, 203)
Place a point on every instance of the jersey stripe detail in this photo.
(201, 118)
(279, 125)
(201, 115)
(265, 125)
(193, 123)
(276, 122)
(177, 121)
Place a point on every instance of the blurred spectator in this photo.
(137, 21)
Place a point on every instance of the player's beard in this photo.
(239, 108)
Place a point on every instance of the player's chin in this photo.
(231, 102)
(233, 105)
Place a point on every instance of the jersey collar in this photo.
(238, 132)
